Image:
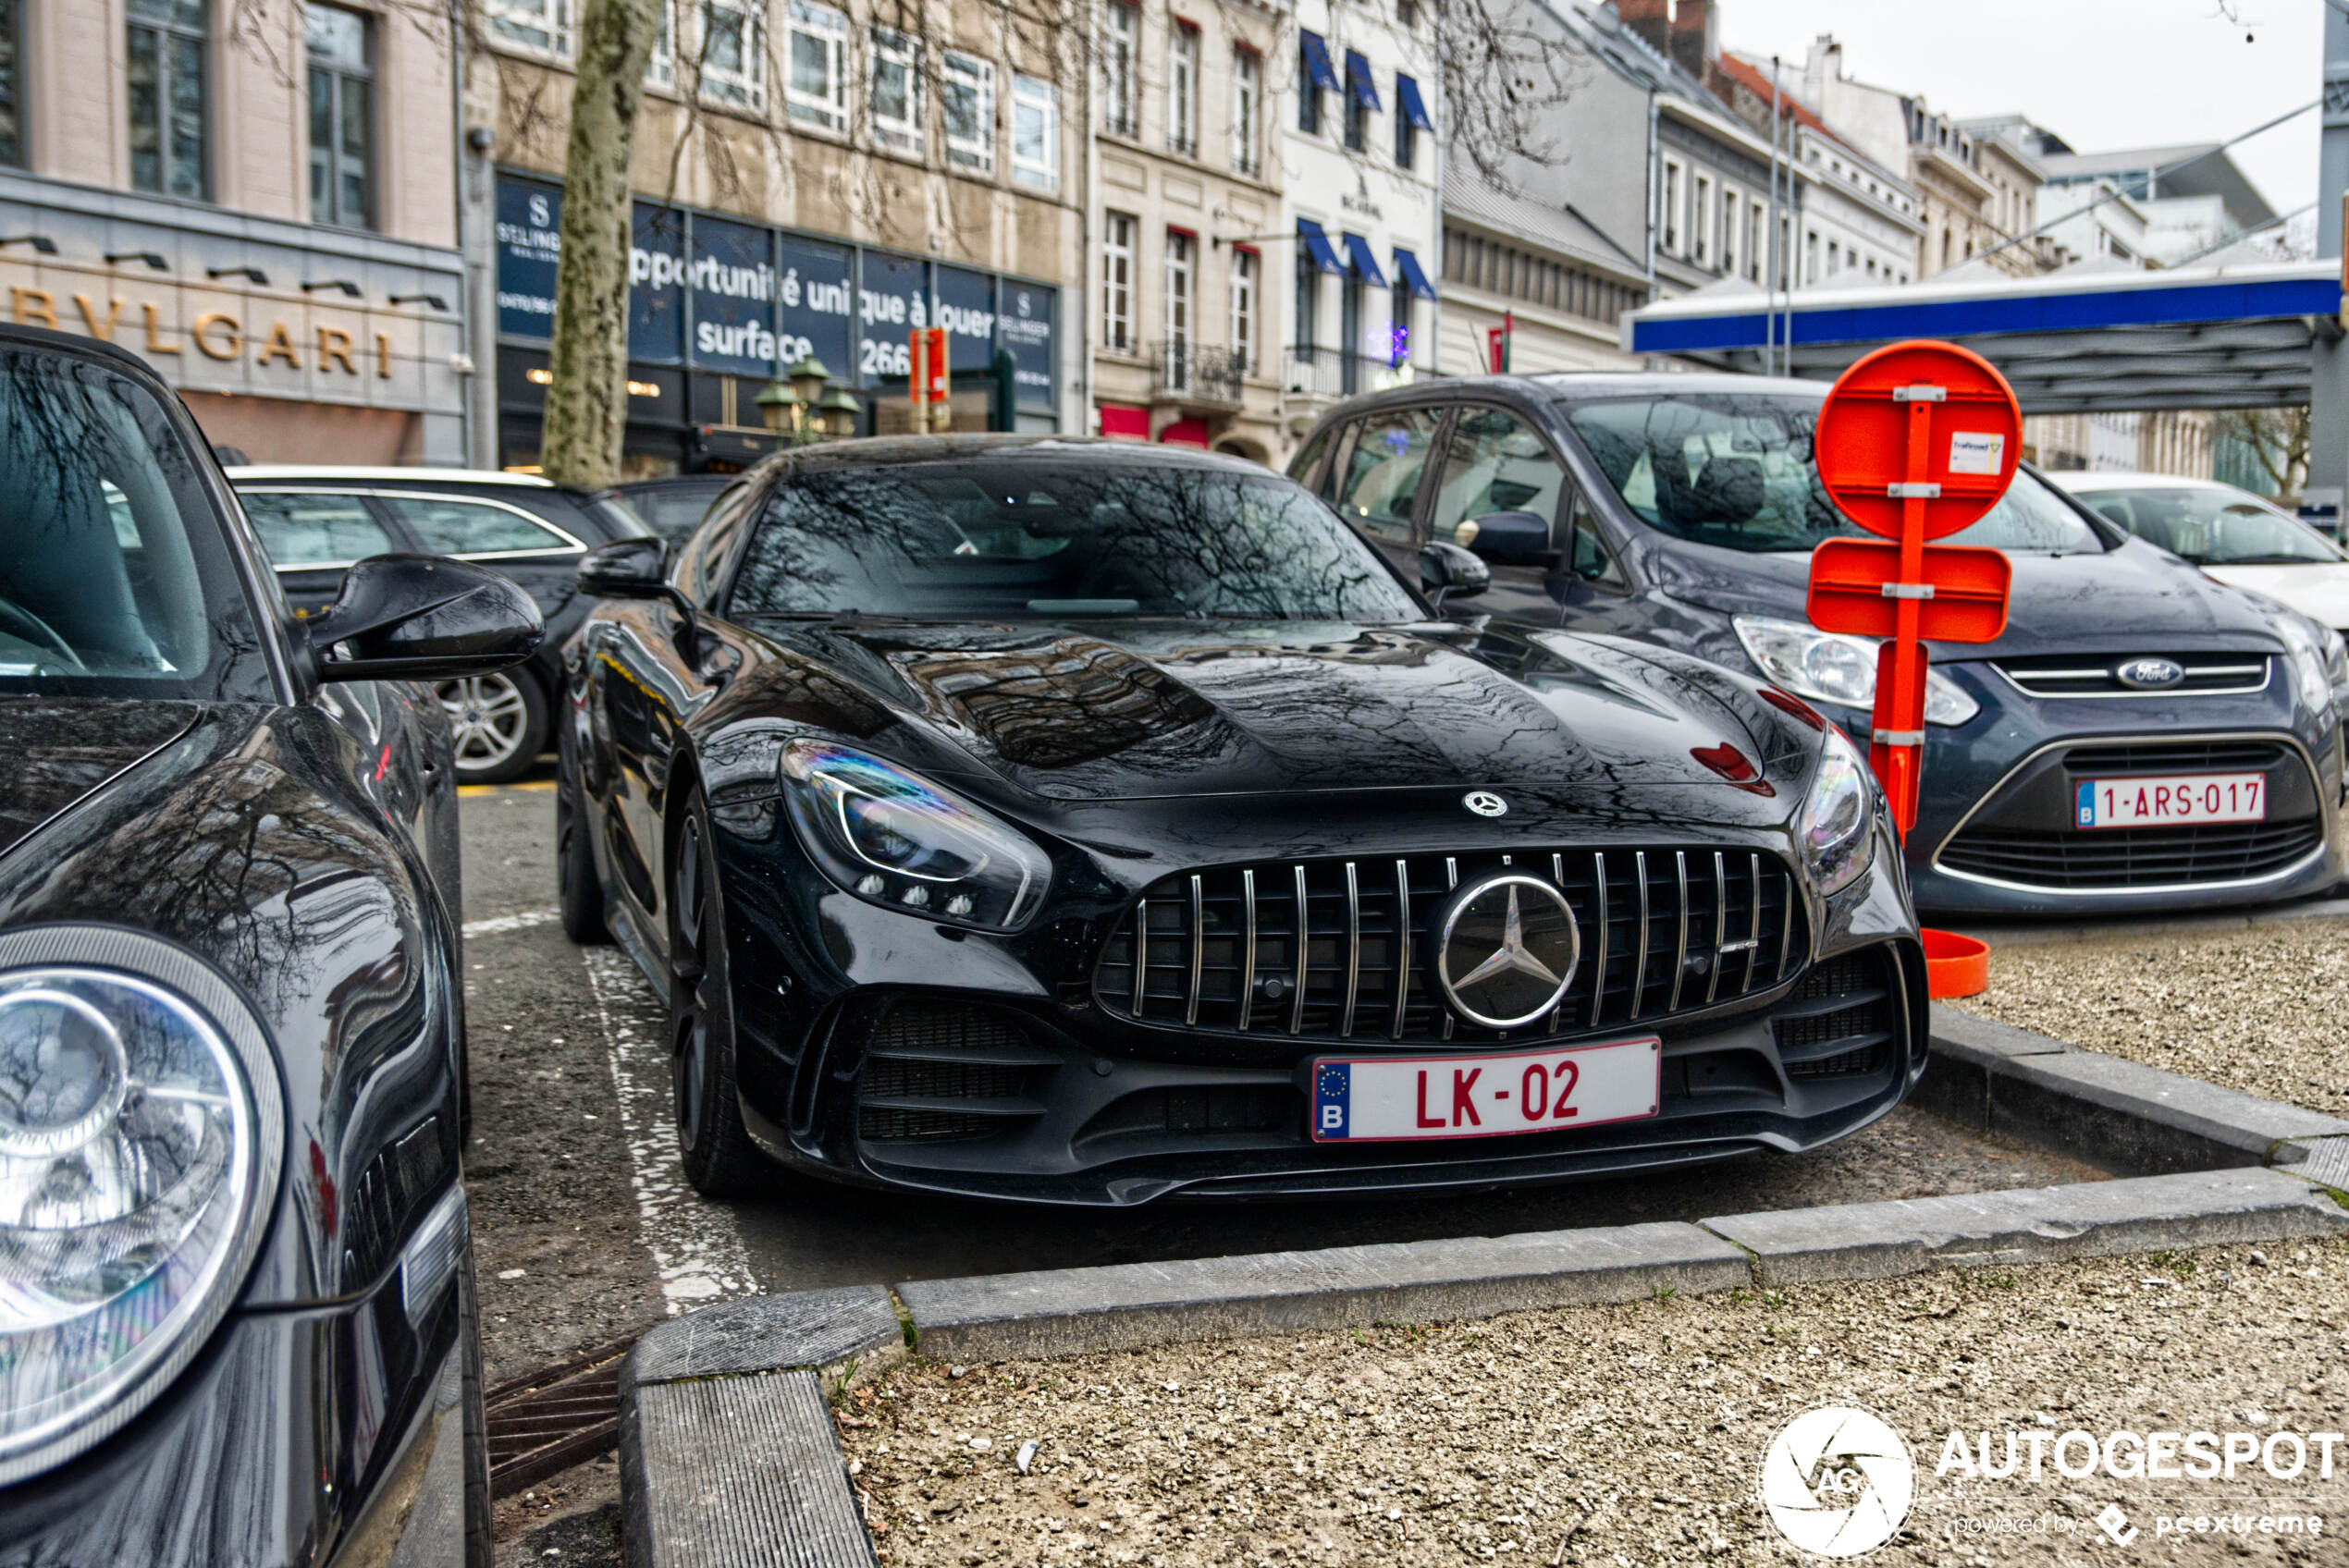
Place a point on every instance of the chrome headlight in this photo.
(1832, 828)
(898, 840)
(141, 1131)
(1830, 666)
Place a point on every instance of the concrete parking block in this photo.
(1876, 1241)
(1966, 1050)
(723, 1471)
(820, 1331)
(2127, 1116)
(2324, 1160)
(1070, 1311)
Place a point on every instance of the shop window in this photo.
(1118, 283)
(967, 109)
(447, 527)
(543, 27)
(897, 91)
(168, 103)
(1247, 109)
(1181, 90)
(12, 82)
(306, 529)
(817, 91)
(1121, 68)
(342, 117)
(1036, 134)
(733, 52)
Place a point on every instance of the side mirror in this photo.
(1446, 570)
(626, 569)
(1509, 538)
(423, 618)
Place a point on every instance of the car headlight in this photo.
(139, 1132)
(899, 841)
(1831, 667)
(1832, 828)
(2319, 663)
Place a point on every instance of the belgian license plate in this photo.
(1485, 1097)
(2185, 798)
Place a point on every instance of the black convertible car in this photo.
(238, 1323)
(1079, 822)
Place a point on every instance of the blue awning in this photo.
(1365, 263)
(1317, 61)
(1359, 82)
(1406, 95)
(1317, 250)
(1407, 267)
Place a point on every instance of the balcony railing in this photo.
(1317, 371)
(1187, 373)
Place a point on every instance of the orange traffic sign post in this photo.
(1916, 442)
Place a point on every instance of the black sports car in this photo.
(238, 1321)
(1083, 822)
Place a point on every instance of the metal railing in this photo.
(1335, 373)
(1196, 375)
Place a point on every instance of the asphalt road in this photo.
(586, 1228)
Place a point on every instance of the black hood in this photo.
(1100, 712)
(54, 751)
(2106, 602)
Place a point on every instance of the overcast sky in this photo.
(2100, 73)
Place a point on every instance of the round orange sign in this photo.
(1919, 421)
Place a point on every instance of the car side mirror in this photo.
(626, 569)
(1510, 538)
(1448, 572)
(423, 618)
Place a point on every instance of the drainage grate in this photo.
(547, 1421)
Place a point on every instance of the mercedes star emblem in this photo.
(1484, 803)
(1507, 949)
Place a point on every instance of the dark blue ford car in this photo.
(2141, 737)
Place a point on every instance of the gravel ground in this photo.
(2257, 1008)
(1628, 1434)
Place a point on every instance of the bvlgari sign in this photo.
(225, 302)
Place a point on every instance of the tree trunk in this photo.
(588, 404)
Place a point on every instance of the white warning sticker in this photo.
(1976, 452)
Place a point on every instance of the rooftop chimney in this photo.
(1696, 35)
(1648, 19)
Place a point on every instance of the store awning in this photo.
(1406, 97)
(1317, 248)
(1365, 264)
(1317, 61)
(1407, 267)
(1358, 80)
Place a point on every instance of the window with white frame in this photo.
(1728, 230)
(1118, 283)
(1671, 206)
(542, 26)
(1036, 134)
(1178, 307)
(816, 85)
(1244, 310)
(1700, 221)
(1182, 88)
(1754, 223)
(661, 69)
(1247, 109)
(1121, 66)
(966, 111)
(897, 91)
(733, 52)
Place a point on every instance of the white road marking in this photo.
(696, 1248)
(523, 921)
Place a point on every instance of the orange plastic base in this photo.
(1955, 965)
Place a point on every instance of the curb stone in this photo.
(1878, 1241)
(1069, 1311)
(2322, 1160)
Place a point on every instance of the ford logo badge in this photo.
(2150, 675)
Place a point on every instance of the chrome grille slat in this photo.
(1212, 942)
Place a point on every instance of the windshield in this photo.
(673, 510)
(2211, 526)
(1021, 539)
(1735, 469)
(114, 578)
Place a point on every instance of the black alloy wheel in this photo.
(719, 1158)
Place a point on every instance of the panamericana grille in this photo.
(2133, 857)
(1839, 1018)
(935, 1072)
(2097, 674)
(1342, 948)
(2176, 756)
